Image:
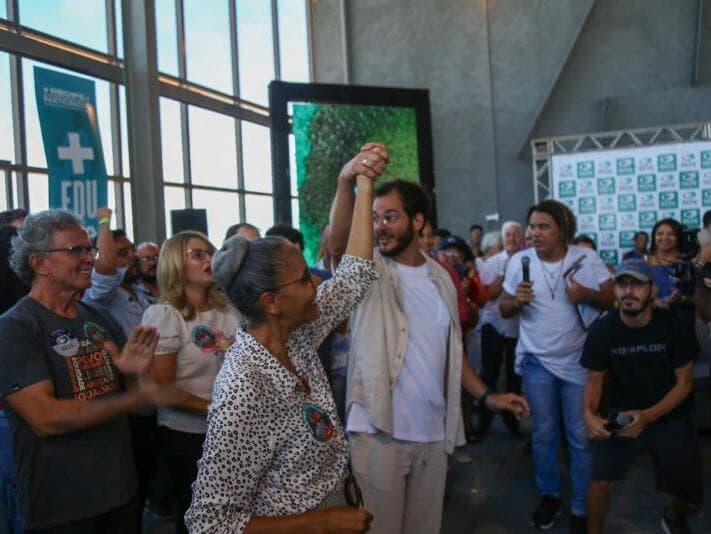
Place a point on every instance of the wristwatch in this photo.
(481, 401)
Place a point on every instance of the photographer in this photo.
(647, 359)
(671, 268)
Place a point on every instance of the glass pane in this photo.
(256, 51)
(35, 148)
(15, 189)
(118, 9)
(39, 192)
(222, 211)
(260, 211)
(128, 215)
(123, 114)
(295, 213)
(256, 153)
(79, 21)
(171, 142)
(174, 200)
(293, 41)
(212, 149)
(111, 194)
(7, 143)
(3, 192)
(3, 10)
(166, 30)
(207, 44)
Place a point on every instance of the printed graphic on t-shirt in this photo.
(319, 422)
(88, 363)
(209, 341)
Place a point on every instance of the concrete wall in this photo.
(500, 72)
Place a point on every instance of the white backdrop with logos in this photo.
(615, 193)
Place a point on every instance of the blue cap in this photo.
(636, 268)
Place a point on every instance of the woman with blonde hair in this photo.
(196, 325)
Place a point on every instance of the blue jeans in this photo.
(548, 396)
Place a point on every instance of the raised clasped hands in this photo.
(370, 161)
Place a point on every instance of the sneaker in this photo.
(461, 456)
(674, 526)
(578, 524)
(547, 512)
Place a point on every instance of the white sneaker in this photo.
(461, 456)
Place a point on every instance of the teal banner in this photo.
(77, 174)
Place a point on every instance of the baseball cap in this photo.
(454, 241)
(636, 268)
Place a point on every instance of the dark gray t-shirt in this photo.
(74, 476)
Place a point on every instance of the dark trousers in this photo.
(120, 520)
(494, 348)
(182, 450)
(144, 442)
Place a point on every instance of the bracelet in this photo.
(481, 401)
(105, 220)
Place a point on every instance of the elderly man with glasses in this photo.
(62, 382)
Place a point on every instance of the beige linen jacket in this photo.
(379, 334)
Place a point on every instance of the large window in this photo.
(213, 157)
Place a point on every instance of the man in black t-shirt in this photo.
(647, 360)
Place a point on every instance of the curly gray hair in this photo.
(35, 236)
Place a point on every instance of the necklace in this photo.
(555, 275)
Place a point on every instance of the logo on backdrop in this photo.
(647, 201)
(604, 167)
(646, 165)
(586, 187)
(566, 189)
(587, 223)
(668, 200)
(706, 198)
(688, 161)
(647, 219)
(690, 199)
(691, 218)
(628, 221)
(587, 205)
(689, 180)
(666, 162)
(646, 182)
(625, 184)
(667, 181)
(606, 204)
(566, 170)
(626, 203)
(706, 159)
(586, 169)
(669, 214)
(609, 257)
(625, 166)
(605, 186)
(607, 221)
(607, 240)
(627, 239)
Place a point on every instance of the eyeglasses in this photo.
(78, 251)
(146, 259)
(388, 218)
(199, 254)
(305, 279)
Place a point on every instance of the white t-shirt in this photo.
(549, 326)
(419, 402)
(490, 270)
(200, 344)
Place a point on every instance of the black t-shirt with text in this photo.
(640, 361)
(81, 474)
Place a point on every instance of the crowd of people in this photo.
(242, 390)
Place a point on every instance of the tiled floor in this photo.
(495, 494)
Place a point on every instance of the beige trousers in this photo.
(402, 482)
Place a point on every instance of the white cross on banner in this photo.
(76, 153)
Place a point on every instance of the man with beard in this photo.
(406, 364)
(116, 287)
(147, 254)
(647, 359)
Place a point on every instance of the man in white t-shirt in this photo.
(499, 336)
(568, 287)
(406, 365)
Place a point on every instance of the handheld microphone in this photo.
(526, 268)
